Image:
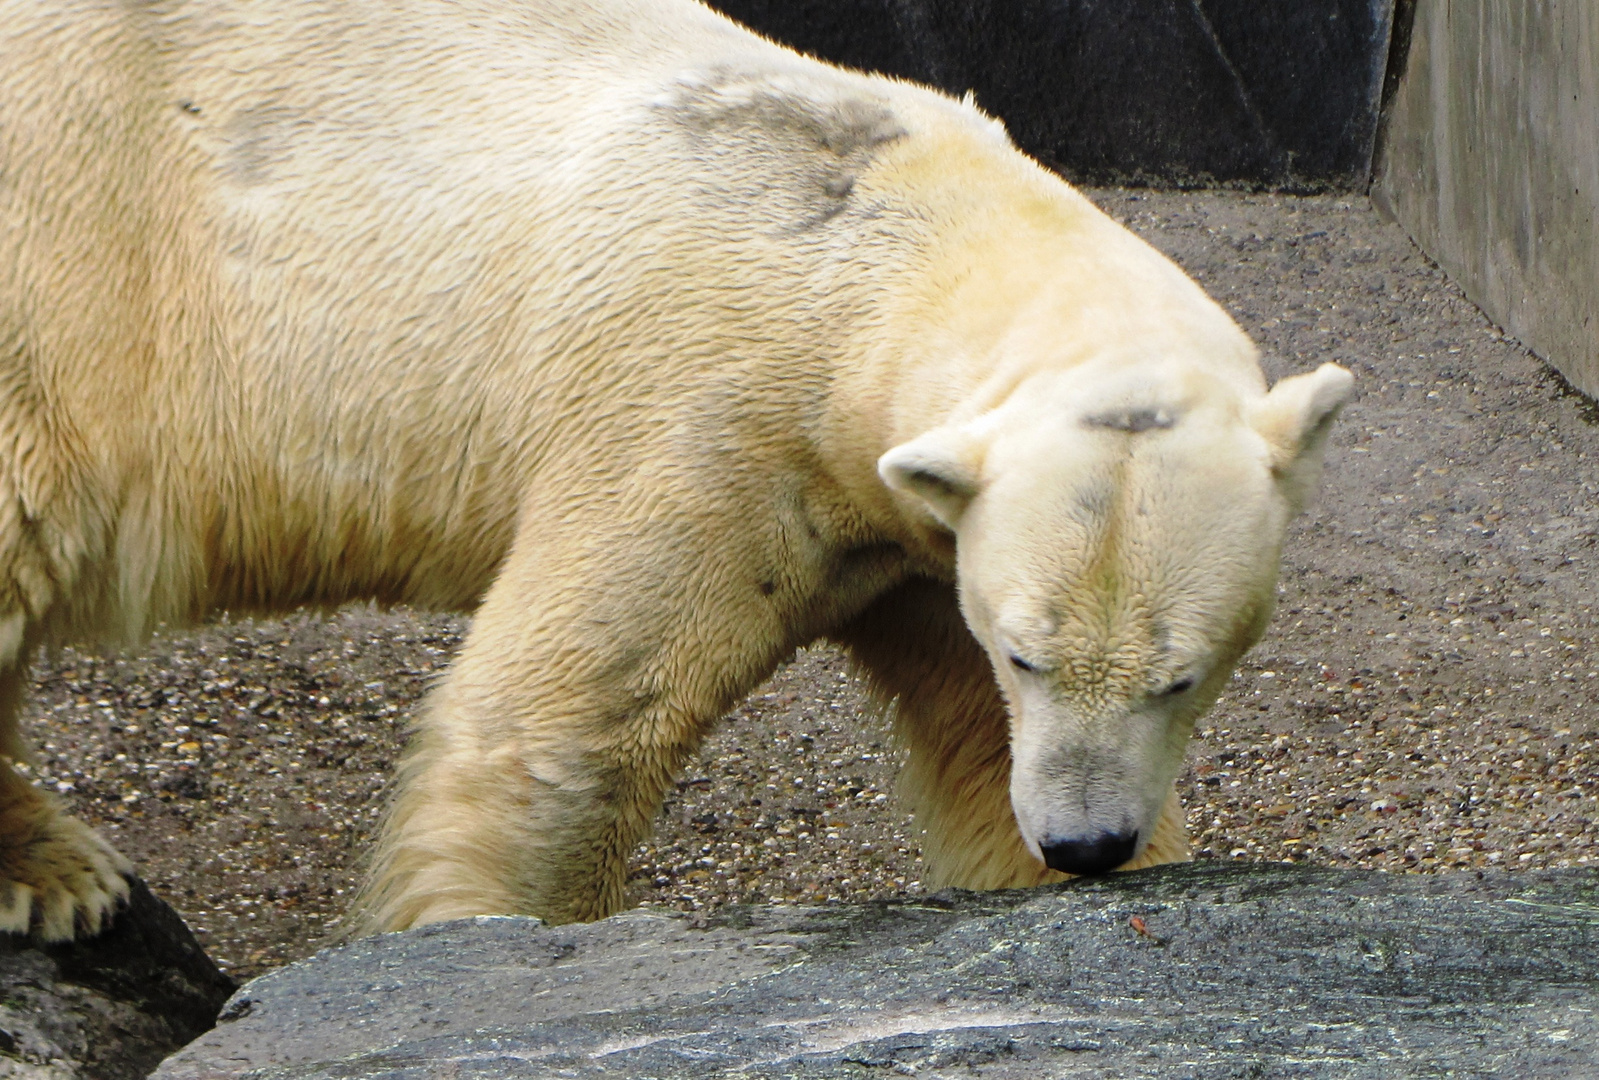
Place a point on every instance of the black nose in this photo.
(1098, 855)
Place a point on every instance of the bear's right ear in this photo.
(1295, 419)
(939, 468)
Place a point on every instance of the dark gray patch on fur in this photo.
(1132, 421)
(259, 141)
(846, 127)
(827, 135)
(839, 187)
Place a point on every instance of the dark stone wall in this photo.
(1269, 93)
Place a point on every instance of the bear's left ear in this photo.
(940, 468)
(1295, 420)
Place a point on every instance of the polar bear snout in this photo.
(1091, 809)
(1098, 854)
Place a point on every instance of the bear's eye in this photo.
(1181, 686)
(1019, 664)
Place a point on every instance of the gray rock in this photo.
(111, 1007)
(1232, 970)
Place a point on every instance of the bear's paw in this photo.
(58, 878)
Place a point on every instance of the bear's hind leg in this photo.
(58, 878)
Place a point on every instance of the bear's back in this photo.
(368, 269)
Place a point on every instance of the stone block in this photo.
(1491, 162)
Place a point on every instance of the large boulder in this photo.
(110, 1007)
(1199, 970)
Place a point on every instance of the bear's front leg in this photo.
(919, 657)
(541, 761)
(502, 818)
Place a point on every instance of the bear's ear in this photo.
(939, 468)
(1295, 419)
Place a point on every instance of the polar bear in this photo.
(663, 349)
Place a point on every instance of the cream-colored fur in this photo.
(595, 318)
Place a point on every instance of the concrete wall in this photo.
(1491, 161)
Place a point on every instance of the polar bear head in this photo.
(1117, 534)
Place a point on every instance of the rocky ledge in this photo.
(1204, 970)
(111, 1007)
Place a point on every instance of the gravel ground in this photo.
(1423, 701)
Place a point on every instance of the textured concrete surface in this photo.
(1166, 92)
(1203, 970)
(1491, 161)
(109, 1008)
